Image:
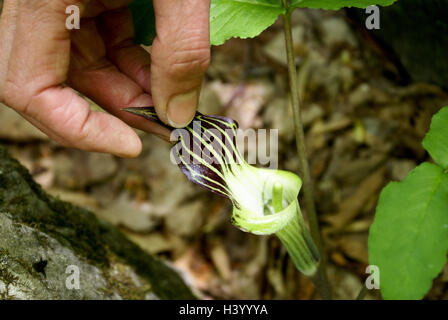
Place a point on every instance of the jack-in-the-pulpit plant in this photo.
(264, 200)
(247, 19)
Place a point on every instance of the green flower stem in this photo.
(303, 252)
(300, 246)
(300, 142)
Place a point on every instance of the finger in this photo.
(180, 55)
(41, 46)
(94, 75)
(38, 65)
(66, 117)
(39, 54)
(117, 30)
(8, 21)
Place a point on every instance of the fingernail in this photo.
(181, 109)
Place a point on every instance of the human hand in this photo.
(41, 61)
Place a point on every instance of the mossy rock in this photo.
(42, 236)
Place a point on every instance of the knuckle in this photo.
(193, 61)
(78, 124)
(77, 135)
(12, 95)
(67, 3)
(188, 58)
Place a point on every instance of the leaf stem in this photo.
(362, 293)
(301, 150)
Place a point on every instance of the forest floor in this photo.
(364, 128)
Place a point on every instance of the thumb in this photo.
(180, 55)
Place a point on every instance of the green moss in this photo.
(7, 277)
(124, 284)
(79, 229)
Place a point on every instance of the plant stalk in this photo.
(362, 293)
(323, 287)
(321, 284)
(301, 249)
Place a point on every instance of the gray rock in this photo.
(21, 247)
(40, 236)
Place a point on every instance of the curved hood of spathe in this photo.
(253, 209)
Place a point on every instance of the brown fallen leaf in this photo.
(221, 260)
(337, 123)
(339, 259)
(350, 207)
(307, 290)
(153, 243)
(198, 271)
(355, 247)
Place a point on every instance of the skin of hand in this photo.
(41, 62)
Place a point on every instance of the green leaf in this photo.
(408, 240)
(237, 18)
(144, 21)
(338, 4)
(436, 141)
(241, 18)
